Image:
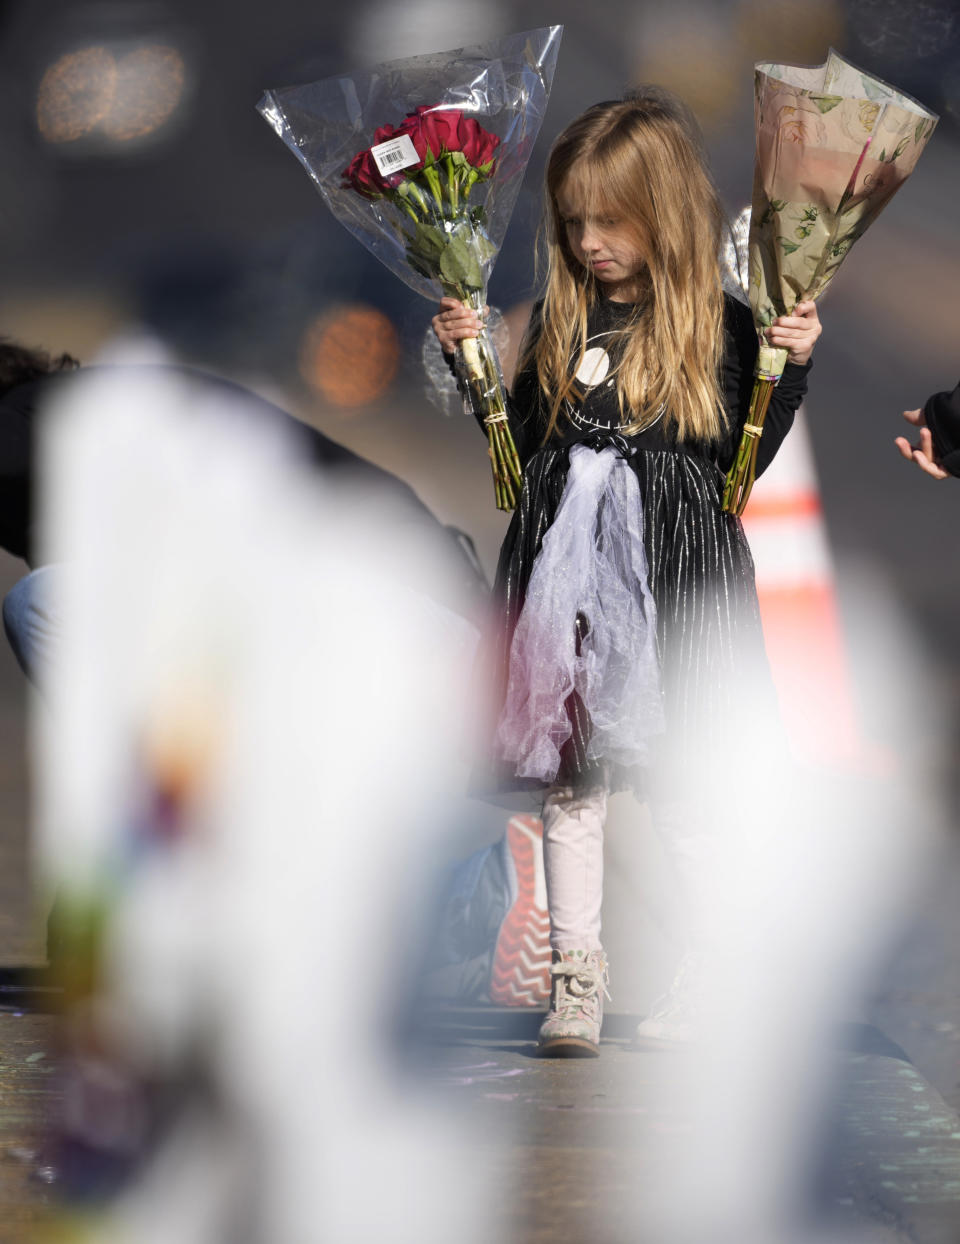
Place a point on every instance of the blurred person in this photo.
(32, 380)
(628, 606)
(937, 450)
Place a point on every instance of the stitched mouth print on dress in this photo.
(599, 409)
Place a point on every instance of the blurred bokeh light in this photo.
(150, 85)
(75, 94)
(349, 355)
(119, 95)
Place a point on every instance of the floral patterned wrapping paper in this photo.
(834, 145)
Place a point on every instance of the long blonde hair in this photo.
(640, 160)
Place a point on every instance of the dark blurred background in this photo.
(162, 204)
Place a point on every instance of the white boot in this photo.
(672, 1020)
(572, 1026)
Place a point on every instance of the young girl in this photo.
(628, 605)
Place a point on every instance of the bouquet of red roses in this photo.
(426, 167)
(431, 190)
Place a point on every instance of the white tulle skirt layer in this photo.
(591, 566)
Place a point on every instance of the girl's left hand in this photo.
(797, 333)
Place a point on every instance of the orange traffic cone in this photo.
(801, 622)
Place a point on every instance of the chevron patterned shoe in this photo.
(520, 975)
(572, 1026)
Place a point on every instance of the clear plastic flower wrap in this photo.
(422, 160)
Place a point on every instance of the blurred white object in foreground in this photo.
(251, 738)
(807, 876)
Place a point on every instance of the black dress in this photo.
(699, 567)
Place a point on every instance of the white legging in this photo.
(573, 863)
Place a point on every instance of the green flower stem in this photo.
(456, 291)
(488, 401)
(768, 369)
(453, 184)
(742, 475)
(432, 178)
(406, 206)
(411, 189)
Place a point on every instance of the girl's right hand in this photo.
(453, 322)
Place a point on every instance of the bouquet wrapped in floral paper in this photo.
(834, 145)
(422, 159)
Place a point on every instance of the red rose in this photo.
(383, 133)
(439, 130)
(436, 129)
(432, 129)
(412, 130)
(363, 176)
(476, 143)
(424, 140)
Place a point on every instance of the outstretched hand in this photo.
(797, 333)
(923, 452)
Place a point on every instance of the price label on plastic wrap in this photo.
(395, 154)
